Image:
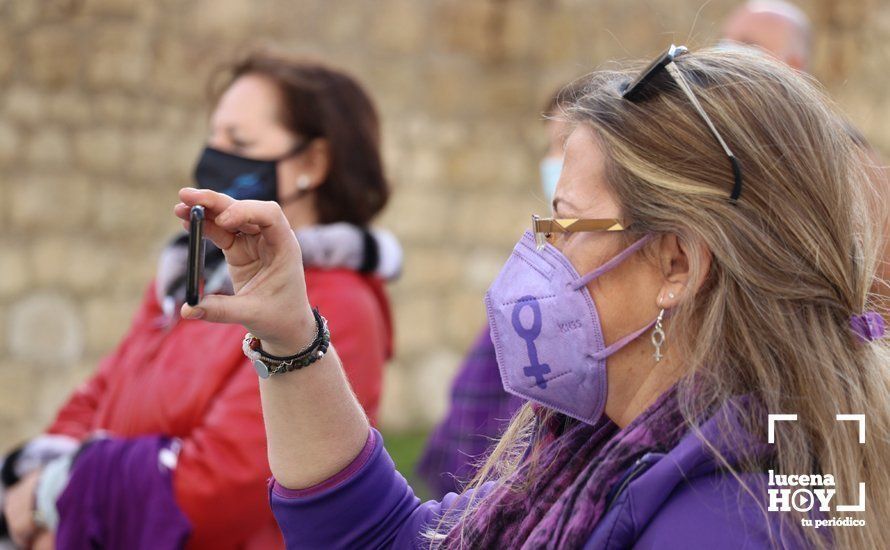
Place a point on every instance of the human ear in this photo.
(315, 162)
(684, 264)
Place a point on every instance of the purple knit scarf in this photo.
(565, 494)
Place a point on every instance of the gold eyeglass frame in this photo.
(544, 228)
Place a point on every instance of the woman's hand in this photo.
(18, 507)
(314, 425)
(266, 269)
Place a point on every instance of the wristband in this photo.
(266, 365)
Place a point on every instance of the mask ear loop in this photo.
(620, 343)
(608, 266)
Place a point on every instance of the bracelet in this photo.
(266, 365)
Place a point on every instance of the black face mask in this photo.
(240, 177)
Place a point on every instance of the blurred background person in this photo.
(784, 31)
(779, 28)
(558, 131)
(165, 443)
(478, 408)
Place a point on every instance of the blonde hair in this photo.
(791, 262)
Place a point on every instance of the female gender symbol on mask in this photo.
(537, 283)
(535, 369)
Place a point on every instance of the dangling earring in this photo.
(658, 337)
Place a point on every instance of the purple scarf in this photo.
(579, 465)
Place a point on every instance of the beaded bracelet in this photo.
(266, 365)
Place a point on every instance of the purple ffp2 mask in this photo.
(547, 333)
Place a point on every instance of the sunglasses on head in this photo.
(545, 228)
(636, 91)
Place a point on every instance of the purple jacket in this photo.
(119, 495)
(680, 499)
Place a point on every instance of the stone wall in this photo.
(102, 112)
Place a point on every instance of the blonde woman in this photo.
(710, 266)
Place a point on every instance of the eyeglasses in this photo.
(634, 93)
(544, 228)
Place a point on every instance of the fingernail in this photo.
(196, 313)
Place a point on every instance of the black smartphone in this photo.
(195, 273)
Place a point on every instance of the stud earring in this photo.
(658, 337)
(303, 182)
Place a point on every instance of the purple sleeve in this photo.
(120, 495)
(367, 505)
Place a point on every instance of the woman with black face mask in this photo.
(182, 456)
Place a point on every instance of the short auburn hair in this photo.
(318, 101)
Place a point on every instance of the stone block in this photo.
(121, 56)
(480, 266)
(134, 209)
(71, 107)
(3, 351)
(112, 8)
(344, 28)
(101, 149)
(519, 27)
(14, 266)
(464, 316)
(399, 26)
(49, 146)
(80, 265)
(395, 399)
(420, 215)
(419, 321)
(432, 267)
(10, 143)
(45, 328)
(25, 104)
(416, 389)
(493, 158)
(115, 107)
(8, 55)
(180, 67)
(465, 28)
(43, 202)
(134, 268)
(18, 382)
(53, 54)
(495, 218)
(153, 150)
(233, 20)
(451, 86)
(23, 13)
(431, 380)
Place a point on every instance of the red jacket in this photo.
(191, 381)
